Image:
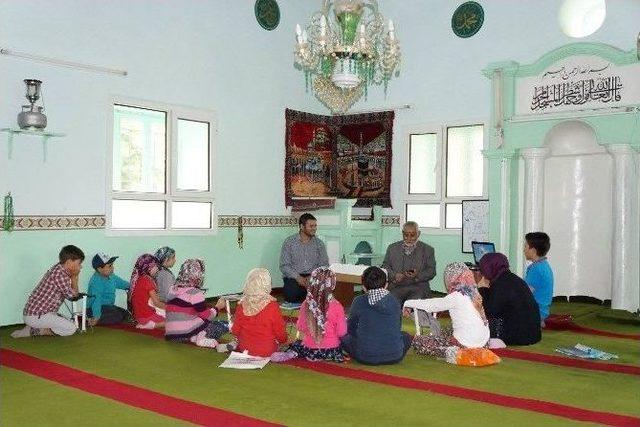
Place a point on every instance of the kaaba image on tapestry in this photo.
(344, 157)
(361, 163)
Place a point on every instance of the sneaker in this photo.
(149, 325)
(22, 333)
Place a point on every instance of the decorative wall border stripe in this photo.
(390, 220)
(58, 222)
(257, 221)
(92, 222)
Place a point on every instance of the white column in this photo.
(625, 282)
(533, 188)
(505, 203)
(498, 112)
(533, 194)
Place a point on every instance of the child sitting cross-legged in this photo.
(188, 317)
(375, 335)
(102, 292)
(148, 310)
(539, 275)
(164, 278)
(470, 328)
(257, 323)
(321, 321)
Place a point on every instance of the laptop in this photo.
(481, 248)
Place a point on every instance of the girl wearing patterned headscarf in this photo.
(147, 308)
(469, 326)
(165, 279)
(321, 321)
(257, 323)
(188, 317)
(513, 313)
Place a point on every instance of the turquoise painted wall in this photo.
(32, 252)
(214, 55)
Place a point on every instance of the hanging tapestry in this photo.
(346, 157)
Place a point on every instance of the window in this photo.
(446, 166)
(161, 168)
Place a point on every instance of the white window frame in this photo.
(440, 197)
(171, 194)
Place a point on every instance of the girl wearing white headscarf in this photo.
(258, 324)
(469, 324)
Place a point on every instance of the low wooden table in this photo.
(344, 291)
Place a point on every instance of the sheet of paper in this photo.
(244, 361)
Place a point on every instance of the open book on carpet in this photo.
(244, 361)
(584, 352)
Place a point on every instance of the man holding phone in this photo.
(410, 265)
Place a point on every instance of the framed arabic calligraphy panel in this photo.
(581, 82)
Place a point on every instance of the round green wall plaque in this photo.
(467, 19)
(267, 14)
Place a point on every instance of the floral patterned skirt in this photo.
(435, 345)
(315, 354)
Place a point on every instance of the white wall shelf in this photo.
(44, 135)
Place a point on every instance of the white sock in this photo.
(496, 343)
(22, 333)
(149, 325)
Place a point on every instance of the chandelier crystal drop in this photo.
(344, 49)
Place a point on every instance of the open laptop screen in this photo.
(481, 248)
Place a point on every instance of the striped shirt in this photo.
(52, 290)
(187, 313)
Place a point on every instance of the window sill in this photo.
(441, 231)
(134, 233)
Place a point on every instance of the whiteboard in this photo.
(475, 223)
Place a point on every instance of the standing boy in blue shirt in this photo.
(539, 275)
(102, 292)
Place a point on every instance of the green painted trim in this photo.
(605, 51)
(501, 65)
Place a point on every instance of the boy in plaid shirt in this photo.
(60, 282)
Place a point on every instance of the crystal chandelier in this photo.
(344, 49)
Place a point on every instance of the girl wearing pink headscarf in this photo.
(469, 326)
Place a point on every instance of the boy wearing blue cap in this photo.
(102, 293)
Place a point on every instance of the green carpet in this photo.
(295, 396)
(28, 400)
